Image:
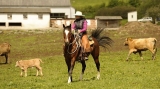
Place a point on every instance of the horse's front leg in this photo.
(83, 69)
(70, 70)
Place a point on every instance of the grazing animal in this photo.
(143, 44)
(5, 50)
(25, 64)
(72, 50)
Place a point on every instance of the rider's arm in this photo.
(84, 26)
(73, 26)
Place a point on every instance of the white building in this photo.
(132, 16)
(33, 14)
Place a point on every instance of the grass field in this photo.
(116, 73)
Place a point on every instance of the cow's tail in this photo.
(155, 48)
(155, 42)
(103, 40)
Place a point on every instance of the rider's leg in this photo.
(86, 45)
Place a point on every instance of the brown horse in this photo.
(72, 50)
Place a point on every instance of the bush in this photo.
(89, 11)
(115, 11)
(123, 22)
(158, 23)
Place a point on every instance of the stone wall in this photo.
(58, 23)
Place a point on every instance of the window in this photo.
(132, 16)
(2, 24)
(15, 24)
(57, 15)
(9, 16)
(25, 16)
(40, 16)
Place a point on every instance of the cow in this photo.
(142, 44)
(25, 64)
(5, 50)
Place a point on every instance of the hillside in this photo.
(82, 3)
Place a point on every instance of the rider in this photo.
(80, 24)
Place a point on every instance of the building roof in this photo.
(108, 17)
(25, 10)
(34, 3)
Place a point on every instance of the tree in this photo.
(134, 3)
(154, 12)
(115, 11)
(145, 5)
(113, 3)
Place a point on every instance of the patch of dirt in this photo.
(144, 29)
(135, 30)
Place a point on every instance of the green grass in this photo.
(123, 22)
(116, 73)
(82, 3)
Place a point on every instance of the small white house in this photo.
(33, 14)
(132, 16)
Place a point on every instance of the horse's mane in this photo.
(102, 39)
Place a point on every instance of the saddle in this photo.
(91, 42)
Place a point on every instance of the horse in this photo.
(72, 50)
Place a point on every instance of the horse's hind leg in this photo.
(96, 60)
(98, 67)
(83, 69)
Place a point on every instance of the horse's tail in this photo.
(103, 40)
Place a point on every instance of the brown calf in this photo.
(5, 50)
(143, 44)
(25, 64)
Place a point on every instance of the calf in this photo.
(5, 50)
(25, 64)
(143, 44)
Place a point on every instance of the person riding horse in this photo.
(80, 26)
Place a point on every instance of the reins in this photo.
(77, 45)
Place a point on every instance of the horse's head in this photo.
(67, 33)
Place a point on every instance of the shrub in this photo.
(115, 11)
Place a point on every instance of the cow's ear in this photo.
(63, 26)
(129, 38)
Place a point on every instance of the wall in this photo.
(108, 23)
(132, 16)
(70, 11)
(58, 23)
(31, 22)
